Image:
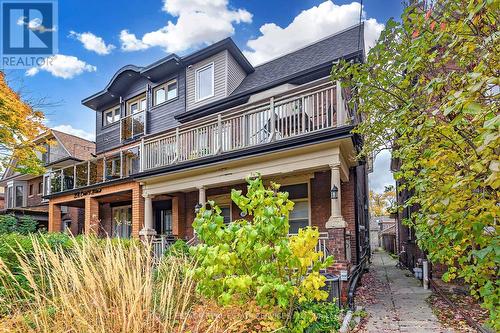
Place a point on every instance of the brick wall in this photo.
(320, 199)
(348, 209)
(36, 198)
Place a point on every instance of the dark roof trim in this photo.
(313, 138)
(225, 44)
(223, 103)
(106, 89)
(150, 70)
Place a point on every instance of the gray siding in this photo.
(235, 74)
(220, 70)
(161, 117)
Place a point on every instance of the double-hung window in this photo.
(112, 115)
(204, 78)
(165, 92)
(299, 216)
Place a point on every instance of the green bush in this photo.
(14, 244)
(179, 248)
(327, 317)
(256, 260)
(23, 225)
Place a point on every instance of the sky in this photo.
(96, 38)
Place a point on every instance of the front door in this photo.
(164, 221)
(122, 221)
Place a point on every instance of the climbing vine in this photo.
(430, 92)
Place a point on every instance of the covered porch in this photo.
(319, 178)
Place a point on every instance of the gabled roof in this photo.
(325, 51)
(305, 64)
(77, 147)
(156, 71)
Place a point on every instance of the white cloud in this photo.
(75, 131)
(310, 25)
(130, 42)
(198, 22)
(382, 175)
(63, 66)
(92, 42)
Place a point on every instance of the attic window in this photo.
(205, 82)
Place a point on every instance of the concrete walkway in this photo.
(401, 305)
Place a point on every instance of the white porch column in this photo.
(202, 195)
(149, 229)
(336, 220)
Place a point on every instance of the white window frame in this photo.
(113, 115)
(139, 99)
(196, 82)
(284, 183)
(165, 87)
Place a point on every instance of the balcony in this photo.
(295, 114)
(299, 112)
(132, 126)
(99, 170)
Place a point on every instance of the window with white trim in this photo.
(136, 105)
(165, 92)
(204, 84)
(110, 116)
(299, 216)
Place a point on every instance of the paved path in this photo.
(402, 305)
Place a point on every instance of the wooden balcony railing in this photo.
(299, 113)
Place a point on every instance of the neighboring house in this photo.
(2, 199)
(24, 192)
(184, 130)
(383, 233)
(409, 251)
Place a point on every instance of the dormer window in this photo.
(165, 92)
(112, 115)
(205, 82)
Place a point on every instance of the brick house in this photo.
(24, 192)
(184, 130)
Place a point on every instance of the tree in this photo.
(255, 259)
(382, 203)
(430, 92)
(20, 124)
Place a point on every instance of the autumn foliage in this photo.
(430, 92)
(20, 124)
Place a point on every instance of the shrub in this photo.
(23, 225)
(179, 248)
(256, 260)
(97, 286)
(327, 317)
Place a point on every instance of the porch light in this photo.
(334, 193)
(197, 208)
